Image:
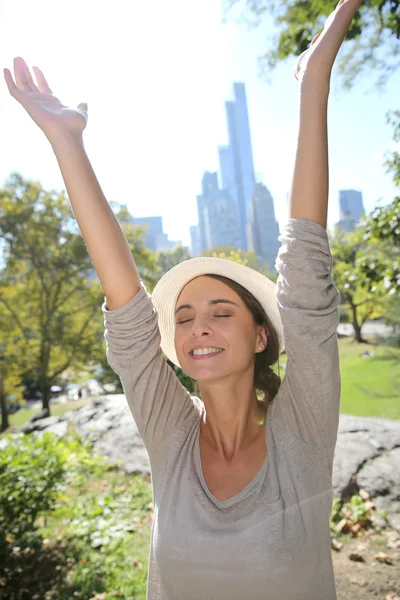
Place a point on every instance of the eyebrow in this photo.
(212, 303)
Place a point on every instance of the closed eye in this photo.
(187, 320)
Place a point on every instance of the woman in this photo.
(242, 488)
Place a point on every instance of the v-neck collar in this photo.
(252, 488)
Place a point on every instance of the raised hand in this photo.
(317, 61)
(54, 118)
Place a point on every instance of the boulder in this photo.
(367, 453)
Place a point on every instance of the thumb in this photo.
(83, 106)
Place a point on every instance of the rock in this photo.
(42, 414)
(39, 425)
(367, 454)
(59, 428)
(356, 557)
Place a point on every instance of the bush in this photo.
(34, 472)
(31, 475)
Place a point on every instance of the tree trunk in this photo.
(4, 413)
(357, 327)
(43, 379)
(44, 388)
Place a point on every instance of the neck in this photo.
(233, 417)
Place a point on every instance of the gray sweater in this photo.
(272, 540)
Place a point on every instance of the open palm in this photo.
(317, 61)
(53, 117)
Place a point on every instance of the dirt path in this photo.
(372, 578)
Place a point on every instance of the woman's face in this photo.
(215, 333)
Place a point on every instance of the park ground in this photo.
(367, 567)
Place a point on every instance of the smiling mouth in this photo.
(205, 352)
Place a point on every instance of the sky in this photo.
(156, 76)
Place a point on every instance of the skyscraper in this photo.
(154, 237)
(195, 245)
(264, 227)
(351, 209)
(218, 218)
(236, 160)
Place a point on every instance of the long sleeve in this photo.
(308, 402)
(160, 405)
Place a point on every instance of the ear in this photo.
(262, 338)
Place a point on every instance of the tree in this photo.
(248, 258)
(392, 163)
(166, 259)
(382, 230)
(297, 21)
(359, 299)
(145, 258)
(46, 291)
(366, 266)
(13, 360)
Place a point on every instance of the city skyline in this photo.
(239, 212)
(151, 148)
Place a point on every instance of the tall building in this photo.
(351, 208)
(155, 239)
(264, 226)
(218, 217)
(154, 229)
(236, 160)
(195, 244)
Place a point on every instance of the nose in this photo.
(201, 326)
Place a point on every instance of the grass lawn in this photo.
(370, 386)
(20, 417)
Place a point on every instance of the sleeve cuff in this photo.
(121, 310)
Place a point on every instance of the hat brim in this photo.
(167, 290)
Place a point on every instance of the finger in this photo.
(19, 73)
(29, 79)
(12, 88)
(41, 81)
(83, 107)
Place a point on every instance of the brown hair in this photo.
(265, 380)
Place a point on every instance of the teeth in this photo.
(201, 351)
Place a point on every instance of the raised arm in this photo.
(63, 127)
(309, 191)
(308, 403)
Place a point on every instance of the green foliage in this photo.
(33, 471)
(382, 230)
(248, 258)
(373, 38)
(166, 259)
(190, 384)
(50, 317)
(45, 294)
(357, 513)
(103, 518)
(145, 258)
(392, 163)
(363, 296)
(106, 531)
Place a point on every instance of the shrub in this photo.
(34, 472)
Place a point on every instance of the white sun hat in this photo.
(167, 290)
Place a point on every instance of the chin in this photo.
(203, 374)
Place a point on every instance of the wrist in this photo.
(65, 142)
(315, 87)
